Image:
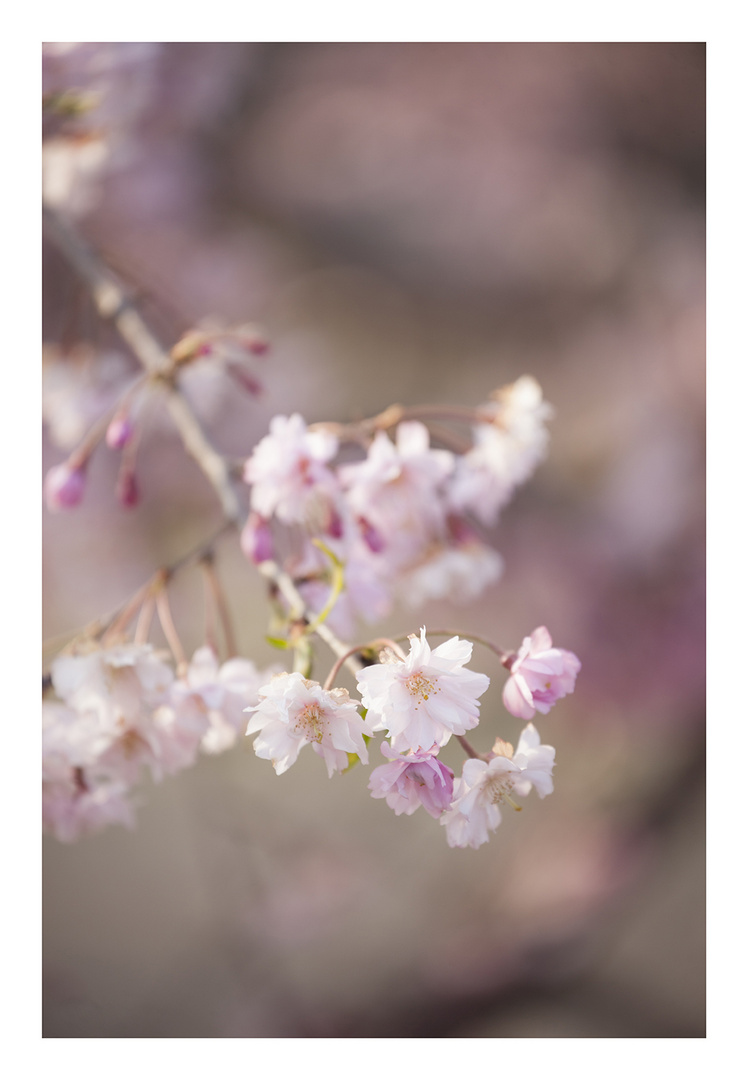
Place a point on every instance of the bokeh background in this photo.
(411, 223)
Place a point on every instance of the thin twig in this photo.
(114, 304)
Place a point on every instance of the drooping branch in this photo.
(113, 304)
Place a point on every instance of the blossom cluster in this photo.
(419, 702)
(400, 520)
(122, 712)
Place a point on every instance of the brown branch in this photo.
(113, 303)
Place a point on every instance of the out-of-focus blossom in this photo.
(220, 693)
(426, 698)
(397, 490)
(64, 486)
(122, 686)
(505, 453)
(294, 711)
(484, 785)
(540, 675)
(288, 472)
(457, 573)
(77, 798)
(413, 780)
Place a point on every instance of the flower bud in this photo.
(120, 431)
(257, 539)
(127, 488)
(372, 537)
(64, 486)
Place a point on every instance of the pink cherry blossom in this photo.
(288, 472)
(505, 451)
(397, 491)
(484, 785)
(540, 675)
(426, 698)
(294, 711)
(413, 780)
(219, 694)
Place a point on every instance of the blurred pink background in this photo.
(415, 223)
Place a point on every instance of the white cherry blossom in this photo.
(294, 711)
(484, 785)
(426, 698)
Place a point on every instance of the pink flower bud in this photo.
(372, 537)
(334, 525)
(64, 486)
(127, 488)
(258, 346)
(245, 379)
(257, 539)
(120, 431)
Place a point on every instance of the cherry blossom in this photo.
(505, 451)
(397, 491)
(288, 472)
(294, 711)
(412, 780)
(217, 693)
(426, 698)
(484, 785)
(540, 675)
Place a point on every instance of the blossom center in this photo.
(498, 790)
(311, 723)
(419, 686)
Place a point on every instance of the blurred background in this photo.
(412, 223)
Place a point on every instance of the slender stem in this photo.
(114, 304)
(170, 631)
(357, 649)
(218, 597)
(123, 614)
(283, 582)
(80, 455)
(469, 750)
(145, 619)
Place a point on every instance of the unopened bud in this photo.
(64, 486)
(120, 431)
(127, 488)
(245, 379)
(257, 539)
(334, 525)
(372, 537)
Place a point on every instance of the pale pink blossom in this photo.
(505, 451)
(219, 694)
(294, 711)
(455, 572)
(484, 785)
(122, 687)
(397, 491)
(412, 780)
(540, 675)
(288, 472)
(78, 796)
(426, 698)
